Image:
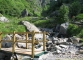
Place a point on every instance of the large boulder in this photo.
(31, 27)
(63, 28)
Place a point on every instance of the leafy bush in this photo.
(63, 14)
(73, 30)
(75, 8)
(79, 17)
(80, 34)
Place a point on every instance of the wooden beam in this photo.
(26, 40)
(0, 40)
(33, 40)
(13, 45)
(44, 39)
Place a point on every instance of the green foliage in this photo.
(75, 8)
(74, 30)
(79, 17)
(15, 7)
(63, 14)
(80, 34)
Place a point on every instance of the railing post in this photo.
(33, 40)
(44, 39)
(0, 41)
(13, 43)
(26, 40)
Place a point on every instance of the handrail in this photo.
(33, 41)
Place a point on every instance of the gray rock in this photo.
(4, 19)
(63, 28)
(63, 46)
(58, 47)
(26, 58)
(30, 27)
(58, 51)
(7, 44)
(75, 40)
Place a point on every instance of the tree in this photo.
(63, 14)
(75, 8)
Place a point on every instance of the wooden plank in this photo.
(23, 32)
(23, 41)
(22, 51)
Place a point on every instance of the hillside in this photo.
(49, 13)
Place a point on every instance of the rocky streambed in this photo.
(63, 50)
(58, 48)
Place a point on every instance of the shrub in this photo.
(73, 30)
(63, 14)
(79, 17)
(75, 8)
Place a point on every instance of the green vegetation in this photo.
(79, 17)
(63, 9)
(75, 8)
(15, 7)
(63, 14)
(74, 30)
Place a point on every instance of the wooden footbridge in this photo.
(31, 52)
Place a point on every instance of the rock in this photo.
(56, 39)
(63, 46)
(75, 40)
(58, 47)
(7, 44)
(26, 58)
(23, 45)
(63, 28)
(49, 42)
(4, 19)
(58, 51)
(30, 27)
(24, 13)
(5, 55)
(80, 51)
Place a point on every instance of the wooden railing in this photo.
(33, 41)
